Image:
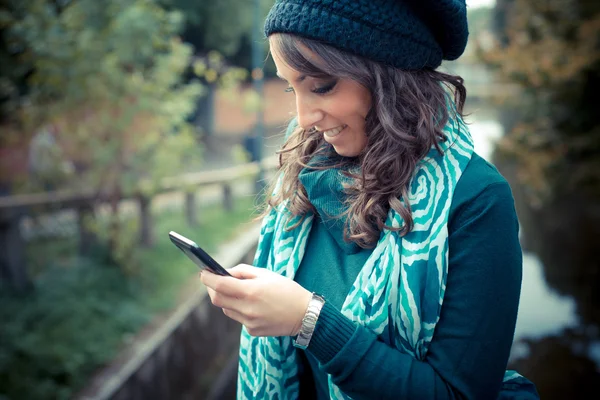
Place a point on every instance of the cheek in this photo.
(362, 109)
(353, 102)
(361, 106)
(366, 104)
(354, 113)
(361, 141)
(359, 116)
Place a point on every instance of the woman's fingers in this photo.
(211, 292)
(224, 284)
(223, 301)
(244, 271)
(226, 292)
(252, 325)
(239, 317)
(266, 303)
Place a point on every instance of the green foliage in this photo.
(84, 310)
(214, 70)
(224, 25)
(73, 323)
(106, 77)
(216, 25)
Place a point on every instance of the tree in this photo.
(105, 77)
(224, 26)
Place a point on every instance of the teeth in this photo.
(334, 132)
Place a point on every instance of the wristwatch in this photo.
(309, 321)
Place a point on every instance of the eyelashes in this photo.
(319, 90)
(325, 89)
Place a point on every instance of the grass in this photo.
(83, 310)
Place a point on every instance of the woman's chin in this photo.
(347, 143)
(345, 151)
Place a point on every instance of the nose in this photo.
(309, 112)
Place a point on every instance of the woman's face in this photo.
(336, 107)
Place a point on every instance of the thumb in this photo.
(244, 271)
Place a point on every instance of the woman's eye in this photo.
(319, 90)
(325, 89)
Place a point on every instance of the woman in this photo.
(389, 264)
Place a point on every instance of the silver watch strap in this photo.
(309, 321)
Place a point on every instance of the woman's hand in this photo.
(266, 303)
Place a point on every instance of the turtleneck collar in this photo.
(325, 192)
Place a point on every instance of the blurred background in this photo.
(121, 120)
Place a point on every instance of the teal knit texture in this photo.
(407, 34)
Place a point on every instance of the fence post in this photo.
(146, 231)
(12, 257)
(87, 237)
(191, 209)
(227, 197)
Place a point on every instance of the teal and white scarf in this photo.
(402, 282)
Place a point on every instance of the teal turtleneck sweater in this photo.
(471, 344)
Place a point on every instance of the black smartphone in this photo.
(197, 255)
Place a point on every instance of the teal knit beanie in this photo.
(407, 34)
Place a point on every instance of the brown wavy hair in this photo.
(409, 110)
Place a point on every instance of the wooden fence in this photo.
(13, 268)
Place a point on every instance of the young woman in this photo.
(389, 264)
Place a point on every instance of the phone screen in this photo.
(196, 254)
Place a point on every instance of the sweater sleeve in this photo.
(471, 344)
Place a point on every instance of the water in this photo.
(557, 338)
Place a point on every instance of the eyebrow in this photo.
(298, 80)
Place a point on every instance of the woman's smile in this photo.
(331, 133)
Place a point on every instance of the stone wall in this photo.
(189, 354)
(189, 361)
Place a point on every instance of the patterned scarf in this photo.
(402, 283)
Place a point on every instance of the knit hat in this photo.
(407, 34)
